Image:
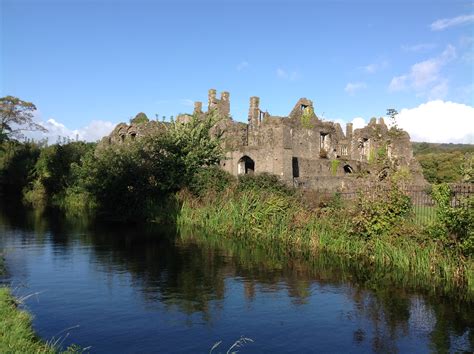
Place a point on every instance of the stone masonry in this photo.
(301, 149)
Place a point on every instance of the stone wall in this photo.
(301, 148)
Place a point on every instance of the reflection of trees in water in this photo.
(188, 272)
(392, 311)
(182, 277)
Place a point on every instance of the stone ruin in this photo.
(301, 149)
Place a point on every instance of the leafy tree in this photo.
(53, 168)
(17, 161)
(16, 116)
(131, 180)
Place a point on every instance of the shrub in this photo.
(210, 179)
(454, 224)
(378, 212)
(17, 161)
(264, 182)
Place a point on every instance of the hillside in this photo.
(443, 162)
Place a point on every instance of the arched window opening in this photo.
(246, 166)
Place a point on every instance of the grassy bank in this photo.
(389, 239)
(16, 332)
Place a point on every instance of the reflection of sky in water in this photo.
(132, 291)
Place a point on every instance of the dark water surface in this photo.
(129, 290)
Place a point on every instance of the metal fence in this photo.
(424, 207)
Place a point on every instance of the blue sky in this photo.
(85, 61)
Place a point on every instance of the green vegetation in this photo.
(133, 181)
(140, 118)
(16, 333)
(16, 116)
(445, 162)
(374, 229)
(173, 176)
(334, 166)
(306, 117)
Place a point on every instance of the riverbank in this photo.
(387, 238)
(16, 331)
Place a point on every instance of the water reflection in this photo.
(194, 274)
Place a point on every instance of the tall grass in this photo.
(269, 216)
(16, 333)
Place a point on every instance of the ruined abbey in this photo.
(301, 149)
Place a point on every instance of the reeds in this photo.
(263, 216)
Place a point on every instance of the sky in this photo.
(88, 65)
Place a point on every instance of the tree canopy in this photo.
(16, 116)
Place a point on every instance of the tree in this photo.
(16, 116)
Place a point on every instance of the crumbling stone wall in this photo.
(301, 148)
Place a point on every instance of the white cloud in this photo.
(352, 87)
(285, 75)
(439, 122)
(93, 131)
(435, 122)
(425, 77)
(444, 23)
(242, 65)
(358, 123)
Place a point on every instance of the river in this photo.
(125, 289)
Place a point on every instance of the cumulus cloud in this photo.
(425, 77)
(287, 75)
(442, 24)
(435, 121)
(358, 123)
(93, 131)
(439, 122)
(352, 87)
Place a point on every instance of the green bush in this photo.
(264, 182)
(210, 179)
(53, 171)
(377, 213)
(454, 225)
(17, 161)
(132, 181)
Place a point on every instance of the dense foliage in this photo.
(17, 161)
(445, 162)
(377, 213)
(454, 223)
(127, 181)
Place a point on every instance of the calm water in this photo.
(125, 290)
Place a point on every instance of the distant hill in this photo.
(428, 148)
(442, 162)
